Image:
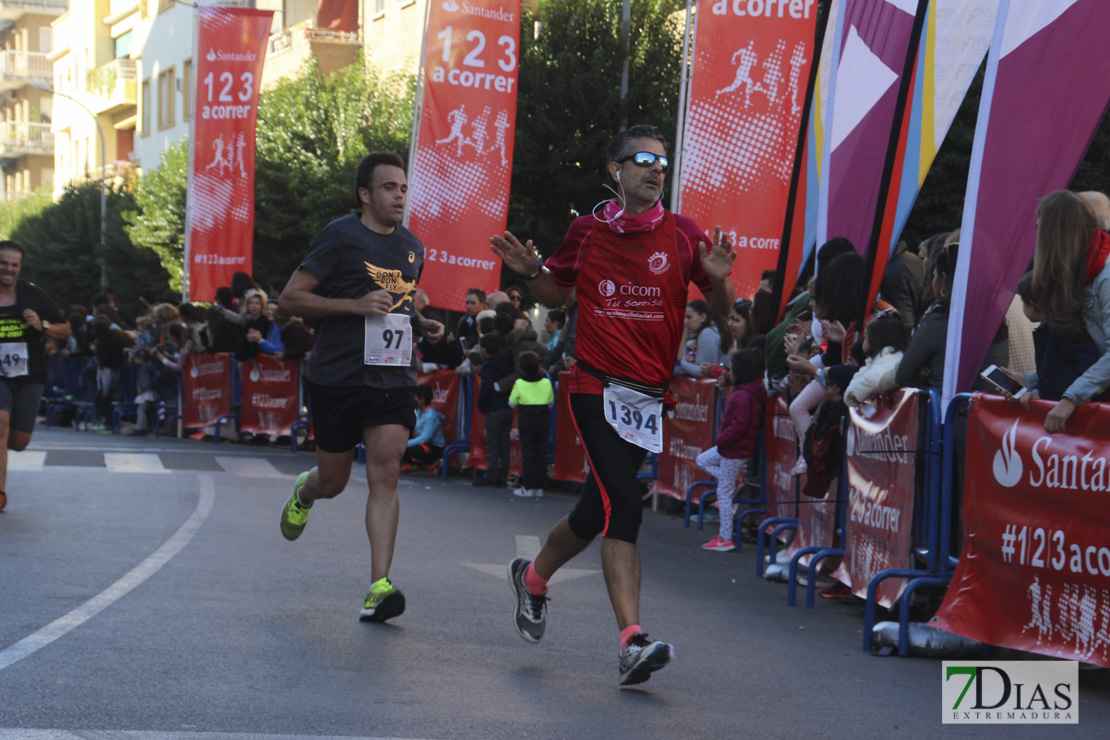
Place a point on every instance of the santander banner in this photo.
(781, 444)
(1034, 573)
(687, 432)
(880, 455)
(207, 386)
(462, 165)
(270, 395)
(747, 90)
(219, 210)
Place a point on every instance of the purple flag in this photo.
(1046, 89)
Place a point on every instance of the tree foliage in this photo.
(311, 134)
(64, 252)
(569, 105)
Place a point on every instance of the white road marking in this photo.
(527, 546)
(26, 460)
(133, 462)
(249, 467)
(120, 588)
(18, 733)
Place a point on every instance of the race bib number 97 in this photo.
(636, 417)
(388, 340)
(13, 359)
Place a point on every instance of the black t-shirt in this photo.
(14, 329)
(350, 261)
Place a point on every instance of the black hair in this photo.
(224, 296)
(1025, 289)
(364, 177)
(478, 292)
(841, 295)
(423, 393)
(945, 263)
(170, 296)
(241, 282)
(277, 285)
(747, 366)
(886, 331)
(486, 325)
(559, 316)
(508, 309)
(491, 343)
(529, 363)
(768, 274)
(712, 317)
(11, 247)
(99, 299)
(149, 295)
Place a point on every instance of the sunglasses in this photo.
(514, 297)
(647, 159)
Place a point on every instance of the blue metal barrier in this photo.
(462, 429)
(818, 553)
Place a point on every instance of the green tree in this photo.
(64, 252)
(311, 134)
(569, 103)
(14, 211)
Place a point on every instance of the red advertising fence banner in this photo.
(477, 459)
(207, 386)
(270, 395)
(570, 456)
(445, 399)
(463, 158)
(745, 105)
(880, 453)
(1034, 572)
(686, 434)
(219, 211)
(780, 440)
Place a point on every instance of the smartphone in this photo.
(1003, 382)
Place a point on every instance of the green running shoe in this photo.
(294, 516)
(384, 601)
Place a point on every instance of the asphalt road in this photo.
(146, 592)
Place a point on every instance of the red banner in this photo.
(879, 525)
(745, 105)
(570, 456)
(780, 439)
(270, 395)
(464, 151)
(477, 458)
(686, 434)
(207, 384)
(219, 212)
(1034, 572)
(445, 399)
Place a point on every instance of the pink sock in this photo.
(532, 581)
(628, 633)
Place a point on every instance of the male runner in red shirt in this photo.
(631, 265)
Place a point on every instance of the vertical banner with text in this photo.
(462, 164)
(219, 211)
(687, 432)
(270, 397)
(746, 96)
(207, 386)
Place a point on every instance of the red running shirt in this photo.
(631, 291)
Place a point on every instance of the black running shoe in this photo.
(642, 657)
(530, 615)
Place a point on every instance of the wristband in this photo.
(540, 269)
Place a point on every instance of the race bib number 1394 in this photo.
(636, 417)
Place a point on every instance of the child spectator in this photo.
(532, 397)
(494, 406)
(710, 340)
(256, 326)
(425, 448)
(884, 341)
(147, 376)
(824, 442)
(805, 393)
(1060, 361)
(730, 460)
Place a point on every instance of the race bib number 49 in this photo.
(13, 359)
(388, 340)
(636, 417)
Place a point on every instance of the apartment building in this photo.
(26, 143)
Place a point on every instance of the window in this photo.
(123, 45)
(145, 104)
(186, 88)
(377, 7)
(166, 93)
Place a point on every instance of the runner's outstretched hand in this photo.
(520, 258)
(717, 259)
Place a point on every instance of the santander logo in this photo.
(1007, 462)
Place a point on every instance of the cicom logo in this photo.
(607, 288)
(1007, 462)
(658, 263)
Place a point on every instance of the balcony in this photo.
(289, 48)
(113, 87)
(13, 10)
(19, 68)
(18, 139)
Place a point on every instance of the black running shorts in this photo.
(340, 413)
(21, 401)
(612, 503)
